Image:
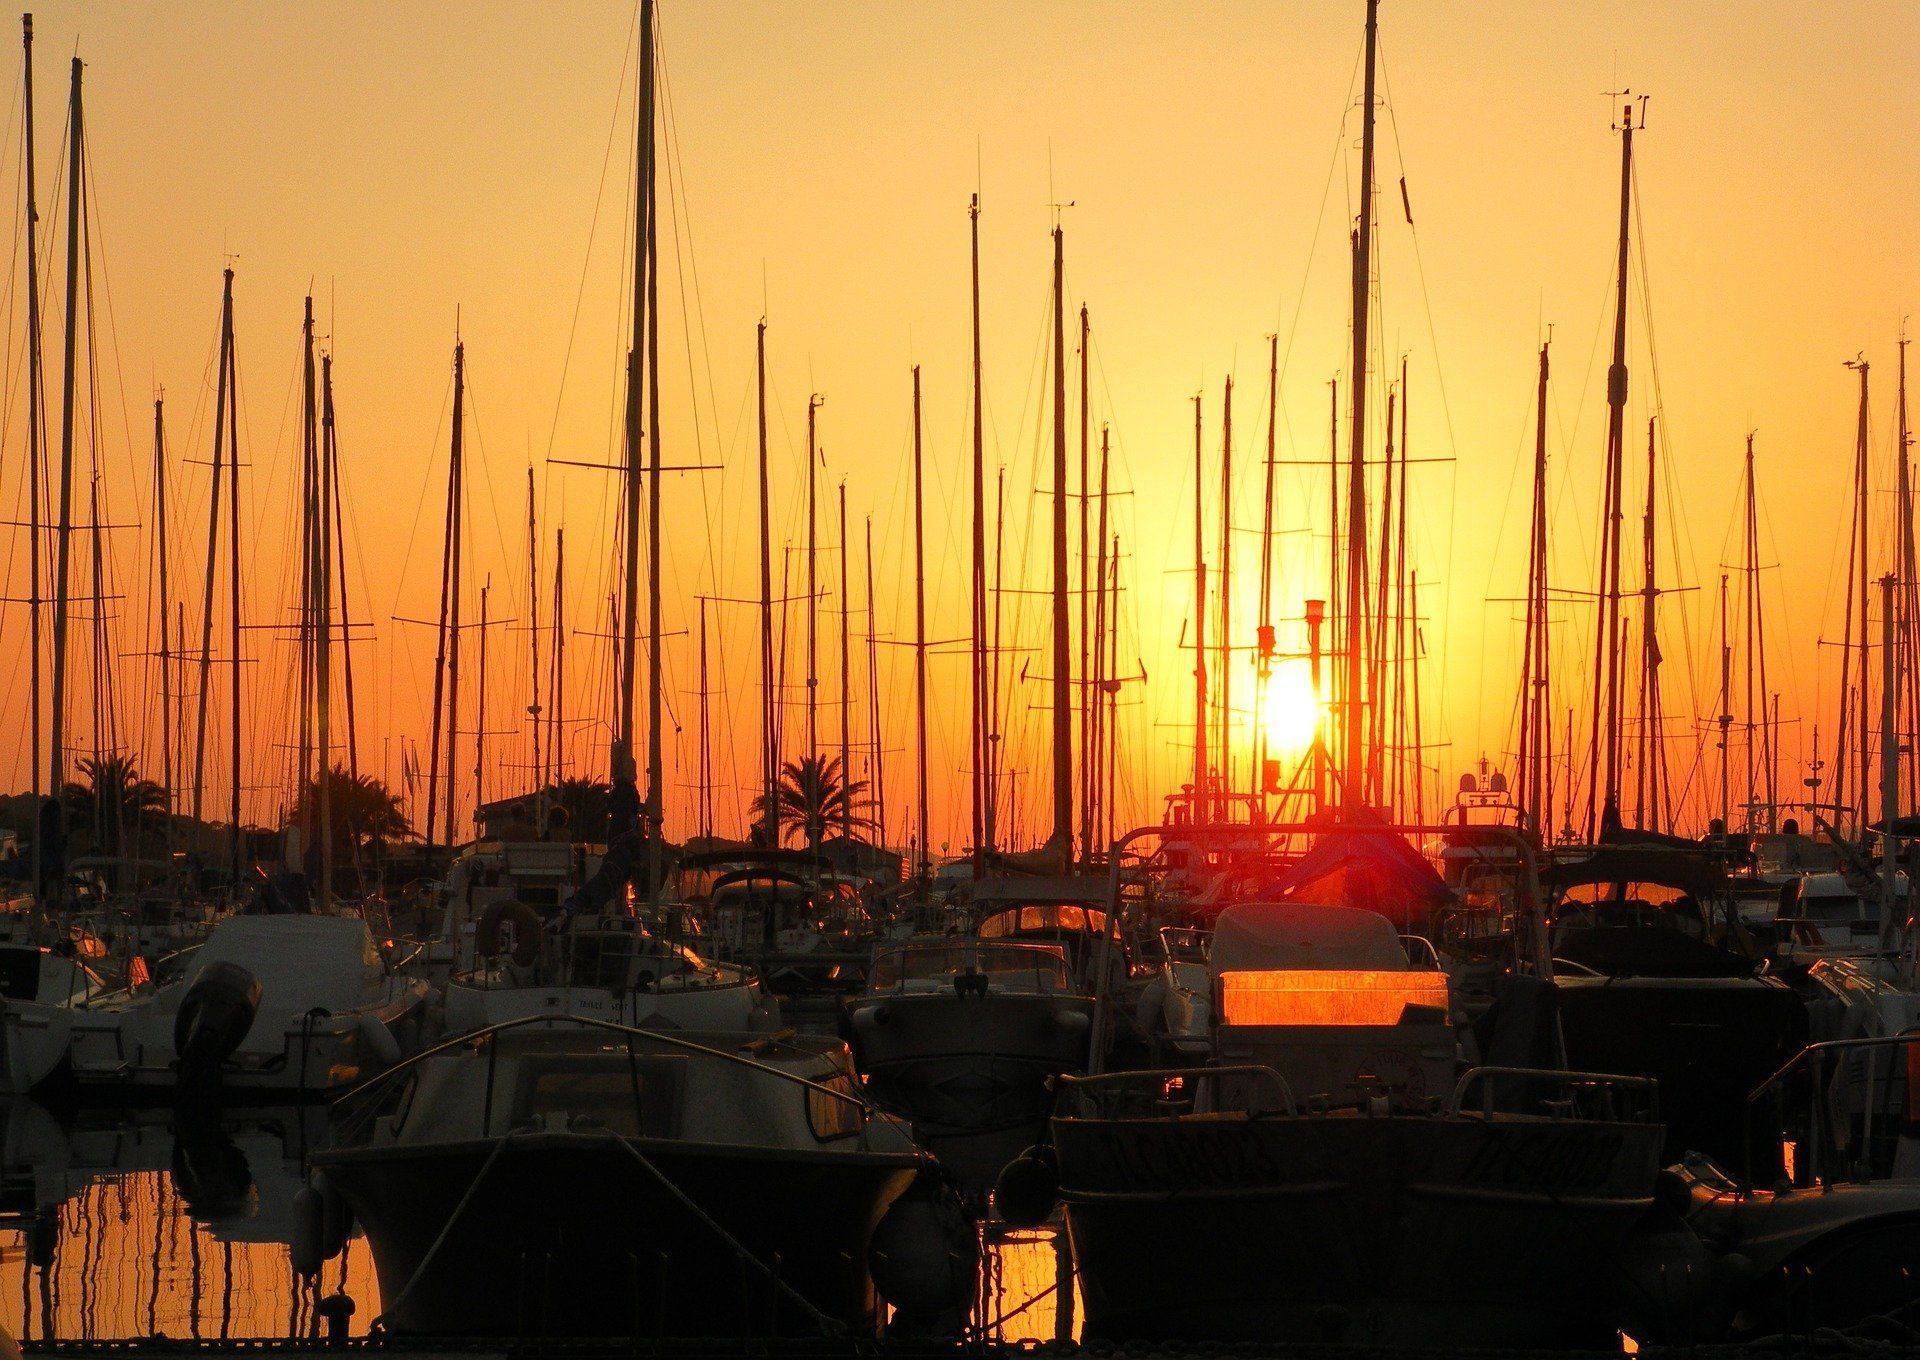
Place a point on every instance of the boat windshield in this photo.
(1044, 919)
(1332, 996)
(1010, 967)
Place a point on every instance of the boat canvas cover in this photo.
(1255, 937)
(300, 962)
(1374, 870)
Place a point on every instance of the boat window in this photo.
(20, 974)
(1044, 919)
(637, 1097)
(830, 1116)
(1324, 996)
(1044, 967)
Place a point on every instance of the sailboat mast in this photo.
(1203, 802)
(213, 538)
(447, 592)
(456, 513)
(846, 676)
(323, 633)
(1754, 723)
(1062, 838)
(36, 425)
(1536, 708)
(1084, 695)
(1226, 588)
(1856, 730)
(556, 693)
(813, 622)
(923, 839)
(622, 767)
(1651, 718)
(309, 569)
(705, 788)
(346, 618)
(480, 709)
(1726, 717)
(874, 725)
(1096, 682)
(769, 694)
(656, 753)
(1608, 697)
(1353, 759)
(160, 613)
(533, 645)
(983, 828)
(1263, 674)
(63, 527)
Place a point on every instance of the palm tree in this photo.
(111, 803)
(812, 796)
(363, 811)
(585, 803)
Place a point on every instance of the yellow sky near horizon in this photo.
(475, 158)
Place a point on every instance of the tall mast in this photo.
(449, 588)
(1113, 690)
(1353, 761)
(480, 708)
(323, 639)
(656, 754)
(557, 689)
(920, 634)
(813, 621)
(1726, 717)
(1085, 692)
(456, 513)
(1853, 678)
(160, 612)
(1755, 668)
(874, 725)
(63, 527)
(1909, 574)
(769, 694)
(533, 641)
(1263, 674)
(213, 538)
(622, 759)
(983, 828)
(1203, 801)
(1061, 841)
(310, 517)
(1226, 587)
(1608, 697)
(704, 791)
(346, 618)
(36, 424)
(846, 675)
(1536, 710)
(1096, 681)
(236, 836)
(1653, 759)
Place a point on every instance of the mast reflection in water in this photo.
(136, 1223)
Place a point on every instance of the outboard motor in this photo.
(214, 1016)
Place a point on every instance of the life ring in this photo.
(526, 931)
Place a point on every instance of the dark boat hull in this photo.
(1389, 1230)
(568, 1235)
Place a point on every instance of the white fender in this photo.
(378, 1038)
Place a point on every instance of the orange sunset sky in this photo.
(413, 164)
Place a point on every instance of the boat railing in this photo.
(1608, 1096)
(1825, 1144)
(356, 1108)
(1170, 1092)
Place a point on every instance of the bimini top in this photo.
(1689, 871)
(1278, 936)
(1052, 918)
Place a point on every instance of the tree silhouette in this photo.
(362, 810)
(812, 796)
(112, 802)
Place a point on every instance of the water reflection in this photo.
(142, 1222)
(138, 1222)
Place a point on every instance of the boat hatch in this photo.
(1332, 997)
(637, 1097)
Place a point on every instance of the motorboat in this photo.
(963, 1034)
(1656, 977)
(1331, 1172)
(287, 1005)
(39, 989)
(570, 1177)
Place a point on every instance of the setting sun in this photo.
(1290, 712)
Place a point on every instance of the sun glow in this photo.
(1291, 712)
